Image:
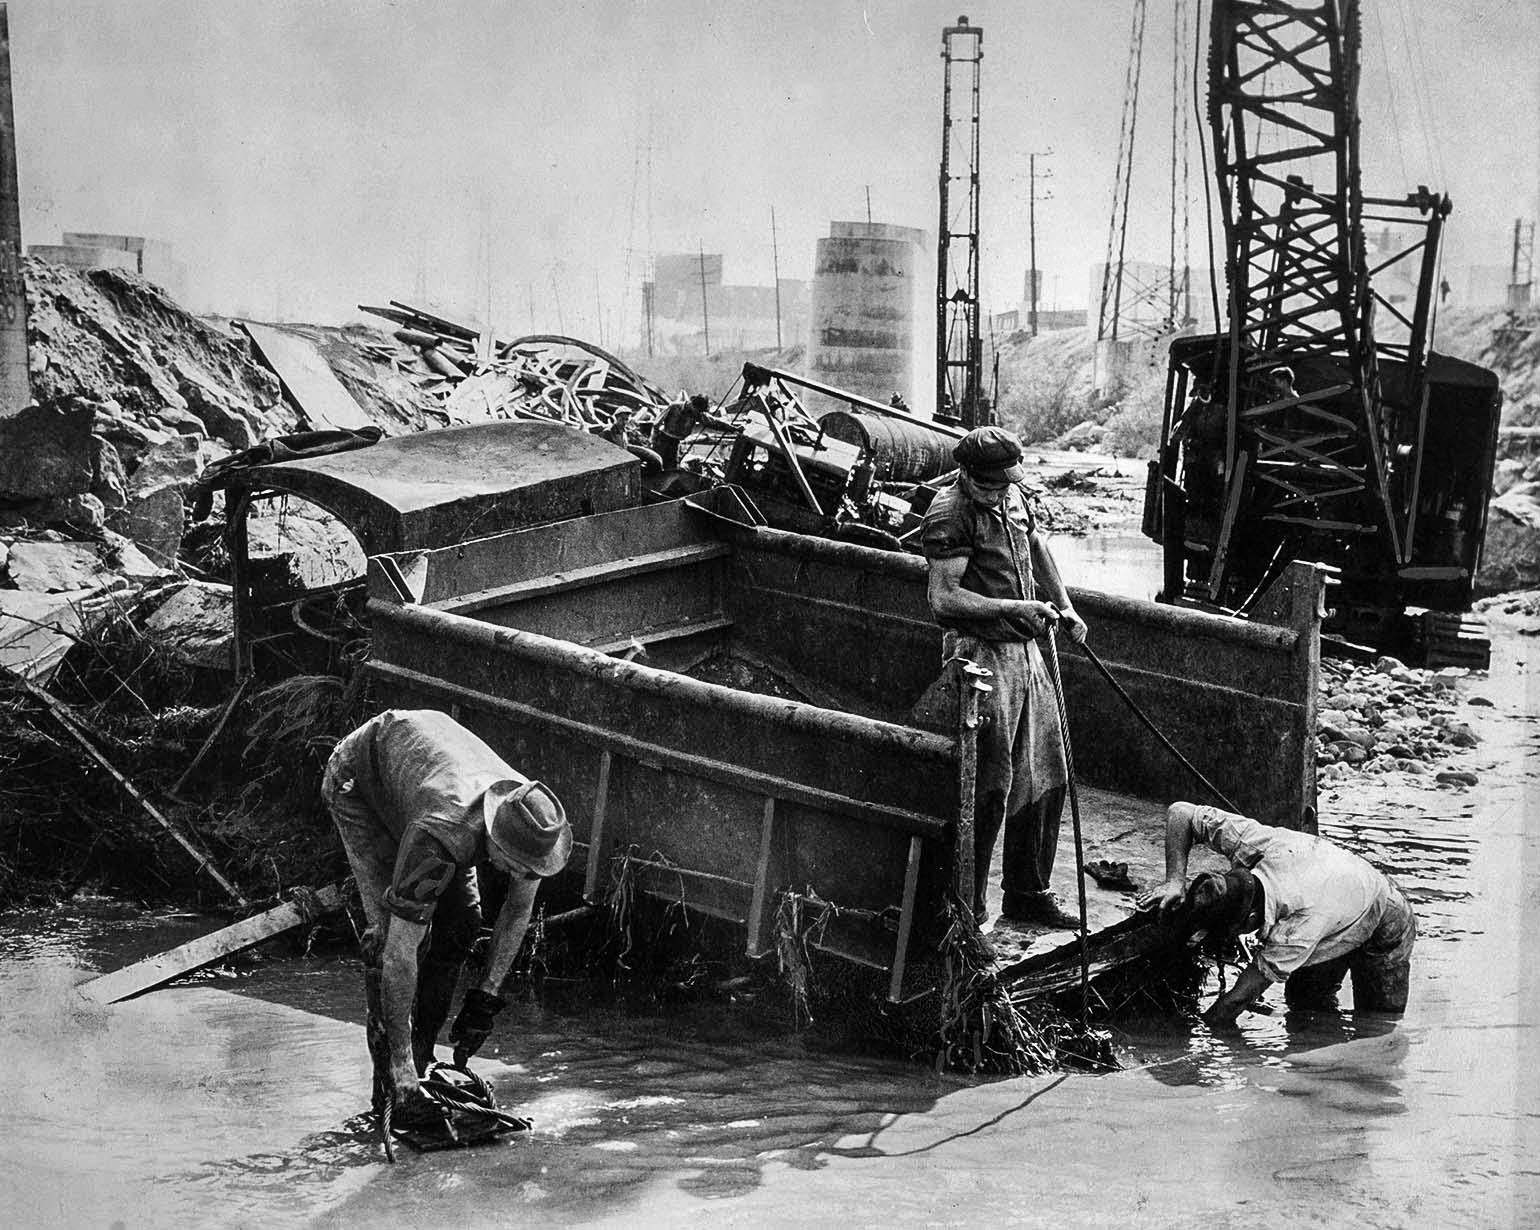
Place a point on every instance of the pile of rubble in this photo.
(1390, 717)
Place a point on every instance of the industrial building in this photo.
(149, 258)
(689, 309)
(871, 283)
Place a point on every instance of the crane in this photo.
(1319, 424)
(959, 342)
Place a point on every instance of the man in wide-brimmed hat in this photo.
(1320, 912)
(995, 590)
(419, 801)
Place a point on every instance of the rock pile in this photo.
(134, 398)
(1388, 717)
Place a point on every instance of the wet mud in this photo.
(231, 1100)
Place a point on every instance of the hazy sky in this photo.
(307, 155)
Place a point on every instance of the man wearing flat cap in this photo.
(1319, 911)
(419, 801)
(995, 591)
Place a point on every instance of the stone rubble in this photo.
(1388, 717)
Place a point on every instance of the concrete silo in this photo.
(869, 287)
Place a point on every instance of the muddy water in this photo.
(226, 1102)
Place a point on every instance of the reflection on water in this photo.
(1122, 562)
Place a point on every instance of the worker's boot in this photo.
(1040, 910)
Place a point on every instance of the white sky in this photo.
(307, 155)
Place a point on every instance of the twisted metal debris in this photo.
(540, 376)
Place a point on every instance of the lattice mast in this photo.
(1283, 112)
(959, 341)
(1110, 308)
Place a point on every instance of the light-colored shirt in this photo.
(1321, 901)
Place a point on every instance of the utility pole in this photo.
(775, 257)
(649, 290)
(1034, 278)
(868, 204)
(15, 382)
(959, 345)
(705, 318)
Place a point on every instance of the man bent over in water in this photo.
(1320, 912)
(419, 801)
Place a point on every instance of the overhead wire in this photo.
(1208, 183)
(1390, 90)
(1418, 71)
(1117, 226)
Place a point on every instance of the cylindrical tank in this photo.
(902, 451)
(867, 289)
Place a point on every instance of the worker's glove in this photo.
(474, 1023)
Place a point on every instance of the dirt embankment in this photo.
(114, 599)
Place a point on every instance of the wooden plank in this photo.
(905, 923)
(756, 946)
(1048, 973)
(156, 971)
(67, 721)
(596, 830)
(307, 379)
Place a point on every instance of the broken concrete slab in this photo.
(57, 567)
(46, 450)
(196, 624)
(322, 400)
(127, 560)
(154, 519)
(80, 512)
(109, 480)
(175, 460)
(37, 629)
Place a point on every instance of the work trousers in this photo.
(1021, 777)
(456, 921)
(667, 448)
(1381, 967)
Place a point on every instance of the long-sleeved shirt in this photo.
(1321, 901)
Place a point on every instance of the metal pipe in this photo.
(790, 454)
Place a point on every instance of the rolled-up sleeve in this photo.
(943, 535)
(1239, 838)
(423, 871)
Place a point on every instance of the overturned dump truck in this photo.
(727, 708)
(430, 488)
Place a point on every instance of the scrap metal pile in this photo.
(540, 376)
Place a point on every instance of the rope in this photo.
(1074, 811)
(1150, 726)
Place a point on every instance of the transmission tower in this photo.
(959, 345)
(1117, 228)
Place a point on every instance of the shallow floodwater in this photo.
(226, 1102)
